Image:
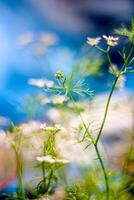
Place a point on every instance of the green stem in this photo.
(43, 174)
(108, 57)
(104, 171)
(128, 71)
(49, 180)
(106, 109)
(104, 120)
(19, 172)
(82, 120)
(110, 94)
(99, 48)
(97, 152)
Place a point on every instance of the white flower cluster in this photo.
(93, 41)
(26, 39)
(51, 160)
(54, 99)
(45, 39)
(56, 127)
(42, 82)
(111, 41)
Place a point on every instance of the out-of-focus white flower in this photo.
(4, 121)
(42, 82)
(93, 41)
(56, 127)
(43, 126)
(45, 100)
(40, 51)
(59, 99)
(47, 159)
(30, 127)
(2, 136)
(51, 160)
(59, 127)
(111, 41)
(47, 128)
(25, 39)
(113, 70)
(121, 82)
(48, 39)
(54, 99)
(54, 114)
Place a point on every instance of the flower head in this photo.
(51, 160)
(54, 128)
(26, 39)
(93, 41)
(48, 39)
(121, 82)
(59, 75)
(42, 82)
(111, 41)
(59, 99)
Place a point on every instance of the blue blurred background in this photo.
(72, 21)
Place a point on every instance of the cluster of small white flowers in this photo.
(48, 39)
(56, 127)
(121, 82)
(43, 82)
(93, 41)
(59, 99)
(51, 160)
(25, 39)
(111, 41)
(54, 99)
(45, 39)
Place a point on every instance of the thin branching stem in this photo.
(103, 169)
(105, 116)
(96, 150)
(111, 92)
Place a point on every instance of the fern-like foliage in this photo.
(68, 86)
(124, 31)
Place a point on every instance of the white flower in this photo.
(48, 39)
(45, 100)
(93, 41)
(59, 127)
(30, 127)
(113, 70)
(61, 161)
(3, 136)
(111, 41)
(42, 82)
(26, 39)
(40, 51)
(48, 128)
(59, 99)
(56, 127)
(121, 82)
(51, 160)
(43, 126)
(47, 159)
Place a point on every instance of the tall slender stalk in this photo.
(104, 119)
(21, 192)
(96, 150)
(105, 116)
